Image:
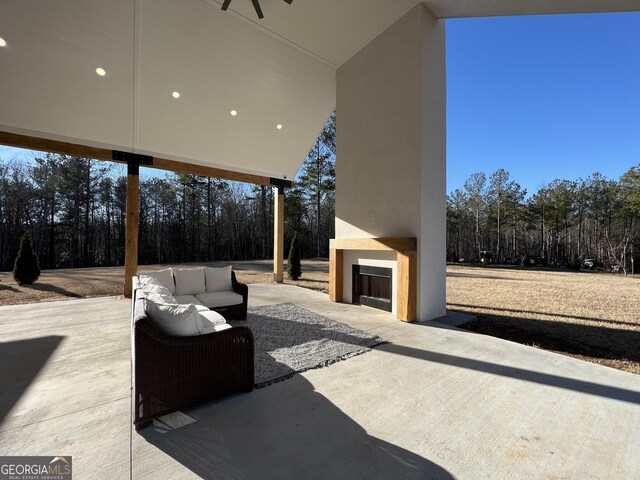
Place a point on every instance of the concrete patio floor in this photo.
(436, 402)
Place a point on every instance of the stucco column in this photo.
(391, 146)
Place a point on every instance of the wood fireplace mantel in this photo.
(407, 277)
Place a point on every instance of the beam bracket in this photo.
(133, 160)
(280, 184)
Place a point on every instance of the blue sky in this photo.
(543, 97)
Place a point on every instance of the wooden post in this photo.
(131, 242)
(407, 279)
(336, 261)
(278, 236)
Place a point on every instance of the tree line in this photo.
(563, 223)
(75, 210)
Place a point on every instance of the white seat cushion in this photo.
(219, 299)
(210, 320)
(174, 319)
(219, 328)
(218, 279)
(187, 299)
(189, 281)
(165, 277)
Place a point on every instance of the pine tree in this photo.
(318, 179)
(26, 270)
(475, 188)
(293, 265)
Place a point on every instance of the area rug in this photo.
(290, 339)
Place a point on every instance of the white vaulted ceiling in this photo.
(279, 70)
(330, 30)
(335, 30)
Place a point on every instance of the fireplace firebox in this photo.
(372, 286)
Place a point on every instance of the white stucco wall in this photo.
(391, 159)
(378, 150)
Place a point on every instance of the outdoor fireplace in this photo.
(380, 272)
(372, 286)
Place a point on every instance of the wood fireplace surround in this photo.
(407, 268)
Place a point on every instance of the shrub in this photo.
(293, 264)
(26, 269)
(526, 261)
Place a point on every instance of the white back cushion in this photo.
(154, 288)
(218, 279)
(189, 281)
(173, 319)
(160, 298)
(165, 277)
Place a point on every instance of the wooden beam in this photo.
(54, 146)
(131, 234)
(278, 236)
(407, 279)
(65, 148)
(405, 244)
(336, 274)
(200, 170)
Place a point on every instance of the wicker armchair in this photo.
(170, 373)
(239, 311)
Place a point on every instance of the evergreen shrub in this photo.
(294, 268)
(26, 269)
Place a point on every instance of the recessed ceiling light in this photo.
(233, 113)
(279, 126)
(3, 43)
(101, 71)
(175, 94)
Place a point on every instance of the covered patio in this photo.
(436, 402)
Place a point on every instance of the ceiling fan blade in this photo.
(225, 5)
(256, 5)
(289, 1)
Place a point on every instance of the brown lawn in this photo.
(593, 316)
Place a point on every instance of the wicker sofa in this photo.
(173, 372)
(216, 288)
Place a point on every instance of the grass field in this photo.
(593, 316)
